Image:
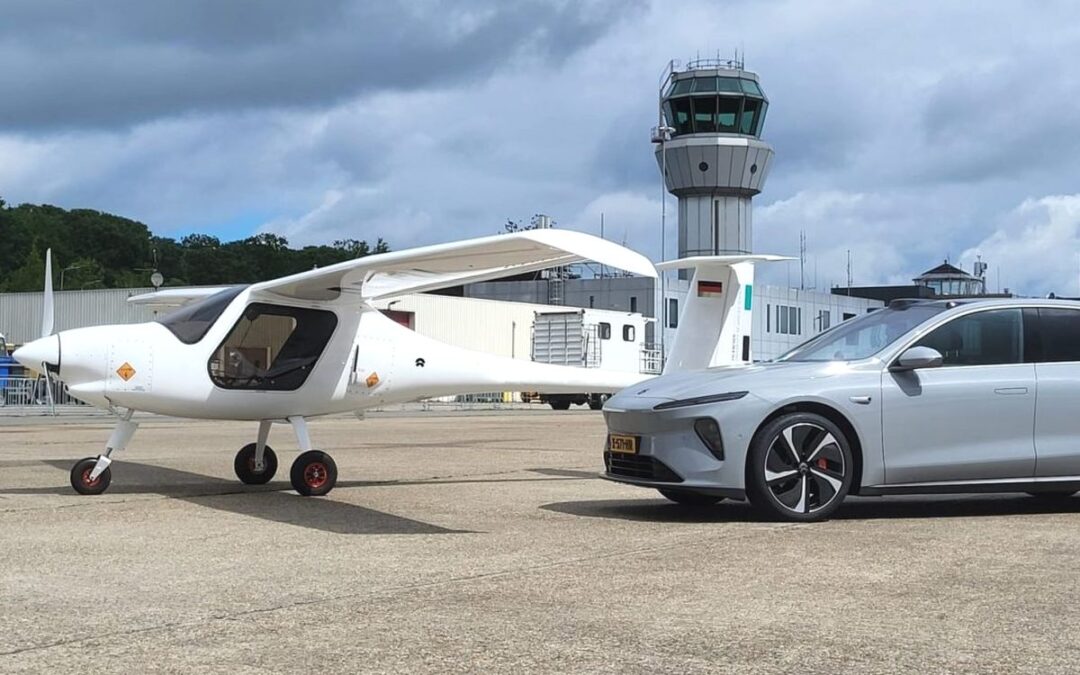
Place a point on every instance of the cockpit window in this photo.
(190, 323)
(272, 347)
(865, 336)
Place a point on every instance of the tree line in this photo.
(92, 249)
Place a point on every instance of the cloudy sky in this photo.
(904, 132)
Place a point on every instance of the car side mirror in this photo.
(916, 358)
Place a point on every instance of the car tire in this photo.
(560, 405)
(806, 489)
(688, 498)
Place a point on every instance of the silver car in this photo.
(919, 397)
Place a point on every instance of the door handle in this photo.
(861, 400)
(1011, 391)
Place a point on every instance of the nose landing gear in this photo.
(83, 483)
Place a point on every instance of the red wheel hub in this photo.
(315, 475)
(87, 480)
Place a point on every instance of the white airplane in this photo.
(306, 345)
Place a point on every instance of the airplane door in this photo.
(371, 363)
(972, 418)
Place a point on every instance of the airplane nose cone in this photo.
(33, 354)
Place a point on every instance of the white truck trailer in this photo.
(592, 338)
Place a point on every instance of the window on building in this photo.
(627, 333)
(727, 113)
(768, 318)
(704, 114)
(788, 320)
(673, 313)
(824, 319)
(272, 347)
(633, 303)
(592, 301)
(848, 315)
(605, 330)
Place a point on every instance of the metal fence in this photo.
(30, 391)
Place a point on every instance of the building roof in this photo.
(946, 268)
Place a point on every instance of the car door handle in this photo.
(1011, 391)
(861, 400)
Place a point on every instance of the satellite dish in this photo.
(156, 279)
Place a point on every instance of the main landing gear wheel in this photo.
(80, 477)
(244, 465)
(687, 498)
(799, 468)
(313, 474)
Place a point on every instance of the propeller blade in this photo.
(47, 311)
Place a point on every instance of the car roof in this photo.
(948, 303)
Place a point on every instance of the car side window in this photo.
(979, 339)
(1058, 336)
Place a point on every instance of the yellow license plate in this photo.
(624, 444)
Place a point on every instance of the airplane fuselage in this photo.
(268, 359)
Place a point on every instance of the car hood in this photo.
(755, 378)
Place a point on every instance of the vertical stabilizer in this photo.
(715, 322)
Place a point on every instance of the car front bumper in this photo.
(670, 454)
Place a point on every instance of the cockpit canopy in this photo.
(700, 103)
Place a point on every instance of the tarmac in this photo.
(468, 542)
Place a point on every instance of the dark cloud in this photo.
(120, 62)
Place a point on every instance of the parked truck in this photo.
(591, 338)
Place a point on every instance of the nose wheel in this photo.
(83, 483)
(314, 473)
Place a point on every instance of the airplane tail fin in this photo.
(715, 322)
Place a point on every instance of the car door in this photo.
(973, 417)
(1053, 343)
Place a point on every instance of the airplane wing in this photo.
(175, 297)
(428, 268)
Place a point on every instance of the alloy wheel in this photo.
(805, 468)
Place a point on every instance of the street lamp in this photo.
(662, 134)
(69, 267)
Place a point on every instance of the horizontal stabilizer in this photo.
(697, 261)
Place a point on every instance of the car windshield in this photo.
(190, 323)
(865, 336)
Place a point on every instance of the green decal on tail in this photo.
(748, 299)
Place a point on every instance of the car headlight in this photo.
(701, 400)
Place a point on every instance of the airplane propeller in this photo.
(47, 321)
(47, 310)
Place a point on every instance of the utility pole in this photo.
(802, 260)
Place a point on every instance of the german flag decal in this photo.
(707, 289)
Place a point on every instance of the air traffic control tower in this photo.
(708, 145)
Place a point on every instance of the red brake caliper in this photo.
(822, 463)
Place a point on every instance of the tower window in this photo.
(751, 107)
(633, 303)
(727, 113)
(704, 114)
